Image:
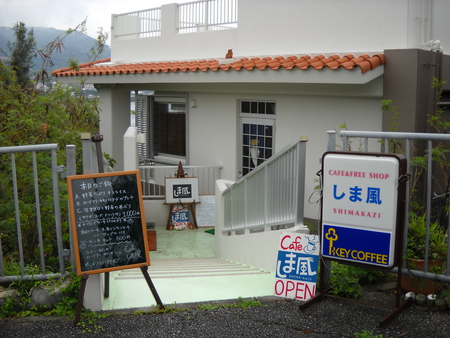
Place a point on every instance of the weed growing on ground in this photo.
(367, 334)
(168, 309)
(208, 306)
(245, 304)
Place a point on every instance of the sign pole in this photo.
(84, 278)
(97, 139)
(144, 269)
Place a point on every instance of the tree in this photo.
(33, 116)
(23, 50)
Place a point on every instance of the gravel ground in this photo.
(280, 318)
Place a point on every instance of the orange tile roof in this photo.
(302, 62)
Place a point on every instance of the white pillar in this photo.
(130, 149)
(114, 120)
(169, 19)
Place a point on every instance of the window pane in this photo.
(261, 130)
(245, 151)
(245, 107)
(261, 107)
(169, 130)
(270, 108)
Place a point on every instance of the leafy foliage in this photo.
(346, 280)
(16, 307)
(415, 247)
(37, 116)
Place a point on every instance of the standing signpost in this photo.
(108, 226)
(297, 263)
(362, 213)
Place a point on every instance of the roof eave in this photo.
(308, 76)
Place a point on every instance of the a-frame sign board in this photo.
(108, 226)
(363, 207)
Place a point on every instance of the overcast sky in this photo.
(64, 14)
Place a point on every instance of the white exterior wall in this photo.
(214, 132)
(298, 26)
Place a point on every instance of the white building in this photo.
(299, 67)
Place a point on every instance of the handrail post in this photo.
(331, 140)
(301, 172)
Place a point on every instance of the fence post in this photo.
(87, 156)
(331, 140)
(57, 211)
(71, 170)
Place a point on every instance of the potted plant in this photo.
(415, 253)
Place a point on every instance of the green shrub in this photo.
(347, 280)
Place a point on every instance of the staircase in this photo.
(184, 269)
(191, 268)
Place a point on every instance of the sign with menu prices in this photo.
(108, 221)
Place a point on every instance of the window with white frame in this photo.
(257, 123)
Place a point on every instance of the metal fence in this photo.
(271, 196)
(153, 179)
(18, 204)
(386, 139)
(140, 24)
(207, 15)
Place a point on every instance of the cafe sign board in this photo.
(360, 207)
(297, 266)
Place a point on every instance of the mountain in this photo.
(77, 46)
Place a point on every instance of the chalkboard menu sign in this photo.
(108, 222)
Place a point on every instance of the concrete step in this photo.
(188, 268)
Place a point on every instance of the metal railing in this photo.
(153, 178)
(193, 17)
(271, 196)
(18, 203)
(385, 138)
(140, 24)
(207, 15)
